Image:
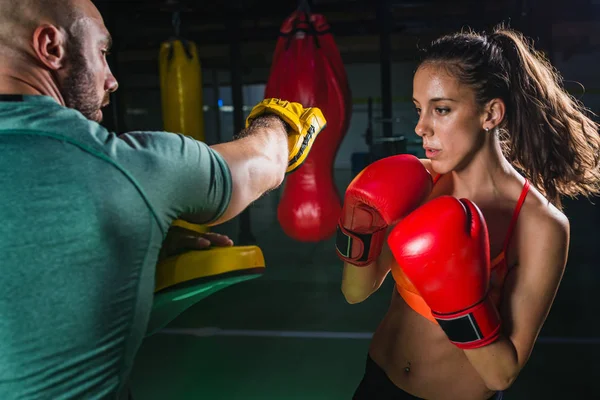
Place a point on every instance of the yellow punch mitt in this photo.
(305, 124)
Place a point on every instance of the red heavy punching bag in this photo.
(307, 68)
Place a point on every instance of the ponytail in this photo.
(548, 134)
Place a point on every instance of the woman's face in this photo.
(450, 121)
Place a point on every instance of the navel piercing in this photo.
(407, 369)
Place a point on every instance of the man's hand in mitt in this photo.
(304, 125)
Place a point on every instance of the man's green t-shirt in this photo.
(83, 213)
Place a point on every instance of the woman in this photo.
(498, 129)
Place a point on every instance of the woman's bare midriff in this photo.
(418, 358)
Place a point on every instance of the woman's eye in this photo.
(442, 111)
(418, 110)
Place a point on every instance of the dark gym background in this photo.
(289, 334)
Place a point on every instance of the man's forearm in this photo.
(257, 161)
(266, 139)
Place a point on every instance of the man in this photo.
(84, 212)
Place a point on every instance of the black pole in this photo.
(369, 133)
(384, 15)
(216, 86)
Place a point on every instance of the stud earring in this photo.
(487, 129)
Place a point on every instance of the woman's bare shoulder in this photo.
(541, 224)
(538, 210)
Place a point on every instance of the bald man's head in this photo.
(68, 40)
(19, 19)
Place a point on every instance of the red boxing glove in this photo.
(443, 249)
(379, 196)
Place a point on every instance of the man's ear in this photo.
(49, 46)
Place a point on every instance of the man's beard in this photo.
(78, 88)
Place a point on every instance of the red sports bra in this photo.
(499, 268)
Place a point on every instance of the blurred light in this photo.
(220, 103)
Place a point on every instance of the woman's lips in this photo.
(431, 152)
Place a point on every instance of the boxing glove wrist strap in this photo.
(474, 327)
(359, 249)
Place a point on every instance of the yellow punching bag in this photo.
(181, 88)
(183, 280)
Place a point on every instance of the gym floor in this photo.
(289, 334)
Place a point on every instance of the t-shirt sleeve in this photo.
(178, 175)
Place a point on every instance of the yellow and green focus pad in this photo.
(305, 124)
(185, 279)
